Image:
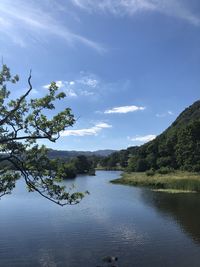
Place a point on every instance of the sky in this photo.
(128, 67)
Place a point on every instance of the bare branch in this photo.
(3, 194)
(26, 175)
(2, 141)
(4, 158)
(11, 112)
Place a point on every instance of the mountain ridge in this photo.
(177, 147)
(73, 153)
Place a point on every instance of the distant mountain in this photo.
(72, 154)
(178, 147)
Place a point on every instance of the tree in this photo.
(82, 164)
(67, 170)
(22, 122)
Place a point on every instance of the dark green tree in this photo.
(23, 121)
(82, 164)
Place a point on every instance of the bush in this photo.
(150, 172)
(165, 170)
(196, 168)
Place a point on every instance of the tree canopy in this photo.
(23, 121)
(178, 147)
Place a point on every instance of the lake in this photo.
(139, 226)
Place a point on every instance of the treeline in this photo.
(64, 167)
(117, 160)
(176, 148)
(71, 168)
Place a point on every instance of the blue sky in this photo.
(129, 67)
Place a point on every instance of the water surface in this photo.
(141, 227)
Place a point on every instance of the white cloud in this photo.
(103, 125)
(60, 84)
(117, 7)
(123, 109)
(162, 115)
(88, 79)
(92, 83)
(70, 92)
(84, 85)
(143, 139)
(176, 8)
(170, 112)
(87, 131)
(71, 82)
(26, 22)
(46, 86)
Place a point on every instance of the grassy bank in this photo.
(173, 182)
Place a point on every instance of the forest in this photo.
(177, 148)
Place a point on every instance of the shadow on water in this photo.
(183, 208)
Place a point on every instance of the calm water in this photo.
(141, 227)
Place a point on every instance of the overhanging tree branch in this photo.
(20, 128)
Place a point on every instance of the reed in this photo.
(177, 180)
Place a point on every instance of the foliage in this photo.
(165, 170)
(176, 148)
(69, 169)
(116, 160)
(150, 172)
(141, 165)
(22, 122)
(82, 164)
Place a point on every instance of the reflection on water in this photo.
(183, 208)
(140, 227)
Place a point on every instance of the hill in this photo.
(178, 147)
(73, 154)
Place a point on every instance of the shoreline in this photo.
(174, 182)
(109, 169)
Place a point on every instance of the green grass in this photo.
(174, 182)
(173, 191)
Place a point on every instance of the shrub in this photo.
(165, 170)
(150, 172)
(196, 168)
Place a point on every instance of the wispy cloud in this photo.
(84, 85)
(86, 93)
(66, 86)
(143, 139)
(176, 8)
(162, 115)
(88, 80)
(87, 131)
(70, 92)
(26, 22)
(123, 109)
